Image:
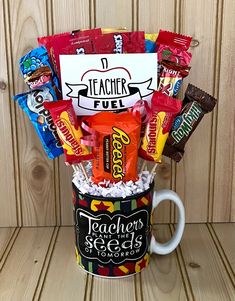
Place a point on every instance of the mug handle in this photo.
(168, 247)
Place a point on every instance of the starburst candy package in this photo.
(164, 109)
(69, 131)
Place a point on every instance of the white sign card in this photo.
(107, 82)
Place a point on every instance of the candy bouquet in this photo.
(108, 147)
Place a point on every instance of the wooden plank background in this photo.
(37, 191)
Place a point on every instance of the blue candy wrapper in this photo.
(32, 104)
(150, 46)
(36, 68)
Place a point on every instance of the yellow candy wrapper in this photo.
(164, 110)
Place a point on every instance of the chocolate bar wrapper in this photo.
(196, 104)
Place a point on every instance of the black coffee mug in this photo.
(113, 235)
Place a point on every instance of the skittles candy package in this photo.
(116, 153)
(120, 42)
(32, 104)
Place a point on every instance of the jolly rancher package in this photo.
(196, 104)
(116, 153)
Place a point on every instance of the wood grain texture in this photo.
(206, 272)
(153, 16)
(162, 279)
(226, 236)
(224, 183)
(20, 274)
(193, 171)
(8, 213)
(5, 237)
(116, 14)
(64, 279)
(35, 169)
(34, 194)
(77, 16)
(115, 290)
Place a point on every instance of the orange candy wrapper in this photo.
(116, 153)
(69, 131)
(164, 110)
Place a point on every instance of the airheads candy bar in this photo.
(171, 78)
(116, 152)
(120, 42)
(77, 42)
(32, 103)
(164, 109)
(36, 68)
(68, 130)
(196, 104)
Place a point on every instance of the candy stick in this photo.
(84, 171)
(74, 168)
(154, 168)
(143, 166)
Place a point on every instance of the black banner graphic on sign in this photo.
(84, 103)
(112, 239)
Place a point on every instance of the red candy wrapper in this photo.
(176, 40)
(175, 55)
(171, 77)
(174, 61)
(164, 110)
(120, 42)
(69, 131)
(116, 153)
(77, 42)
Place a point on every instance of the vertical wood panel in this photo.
(224, 185)
(153, 16)
(198, 19)
(117, 13)
(8, 212)
(77, 16)
(36, 170)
